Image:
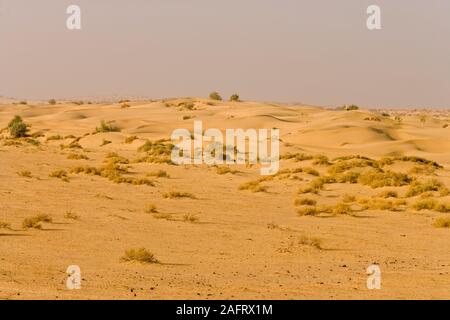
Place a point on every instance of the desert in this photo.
(92, 184)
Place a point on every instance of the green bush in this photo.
(17, 128)
(215, 96)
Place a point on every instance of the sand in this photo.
(225, 243)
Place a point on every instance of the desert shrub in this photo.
(342, 208)
(351, 107)
(307, 211)
(60, 174)
(17, 128)
(55, 137)
(388, 194)
(70, 215)
(348, 177)
(77, 156)
(425, 204)
(442, 207)
(423, 169)
(190, 218)
(215, 96)
(235, 98)
(125, 106)
(151, 208)
(225, 170)
(305, 202)
(307, 170)
(390, 160)
(177, 195)
(139, 255)
(73, 145)
(253, 186)
(4, 225)
(52, 101)
(381, 204)
(344, 164)
(106, 127)
(24, 173)
(159, 174)
(321, 160)
(417, 187)
(36, 221)
(348, 198)
(156, 148)
(187, 117)
(379, 179)
(130, 139)
(442, 222)
(105, 142)
(311, 241)
(296, 157)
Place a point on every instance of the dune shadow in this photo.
(14, 235)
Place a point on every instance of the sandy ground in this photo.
(239, 244)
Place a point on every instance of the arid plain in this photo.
(355, 188)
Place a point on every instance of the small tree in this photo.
(52, 102)
(215, 96)
(423, 118)
(235, 97)
(17, 128)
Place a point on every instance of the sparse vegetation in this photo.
(215, 96)
(305, 202)
(36, 221)
(130, 139)
(4, 225)
(311, 241)
(159, 174)
(77, 156)
(190, 218)
(106, 127)
(307, 211)
(417, 187)
(60, 174)
(253, 186)
(151, 208)
(442, 222)
(24, 173)
(225, 170)
(70, 215)
(177, 195)
(235, 98)
(140, 255)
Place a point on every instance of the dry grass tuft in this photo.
(305, 202)
(311, 241)
(60, 174)
(190, 218)
(77, 156)
(151, 208)
(442, 222)
(225, 170)
(72, 216)
(178, 195)
(140, 255)
(25, 174)
(307, 211)
(36, 221)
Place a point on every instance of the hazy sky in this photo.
(314, 51)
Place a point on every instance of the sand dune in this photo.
(233, 234)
